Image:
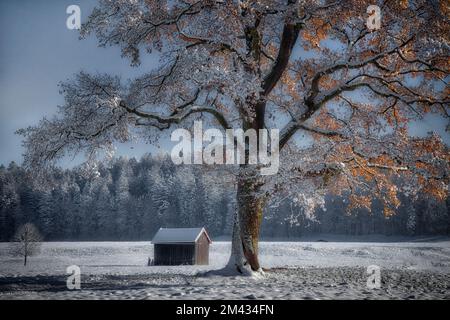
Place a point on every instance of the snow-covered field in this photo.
(300, 270)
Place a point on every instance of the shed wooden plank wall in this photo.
(202, 250)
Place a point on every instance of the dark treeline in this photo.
(129, 200)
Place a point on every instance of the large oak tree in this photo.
(341, 95)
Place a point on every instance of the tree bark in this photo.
(247, 223)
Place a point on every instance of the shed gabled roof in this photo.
(179, 235)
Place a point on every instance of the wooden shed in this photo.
(176, 246)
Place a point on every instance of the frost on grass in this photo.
(297, 270)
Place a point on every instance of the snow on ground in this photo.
(131, 257)
(301, 270)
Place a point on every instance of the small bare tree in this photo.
(27, 241)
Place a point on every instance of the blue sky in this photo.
(37, 51)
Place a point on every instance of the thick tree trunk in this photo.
(247, 223)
